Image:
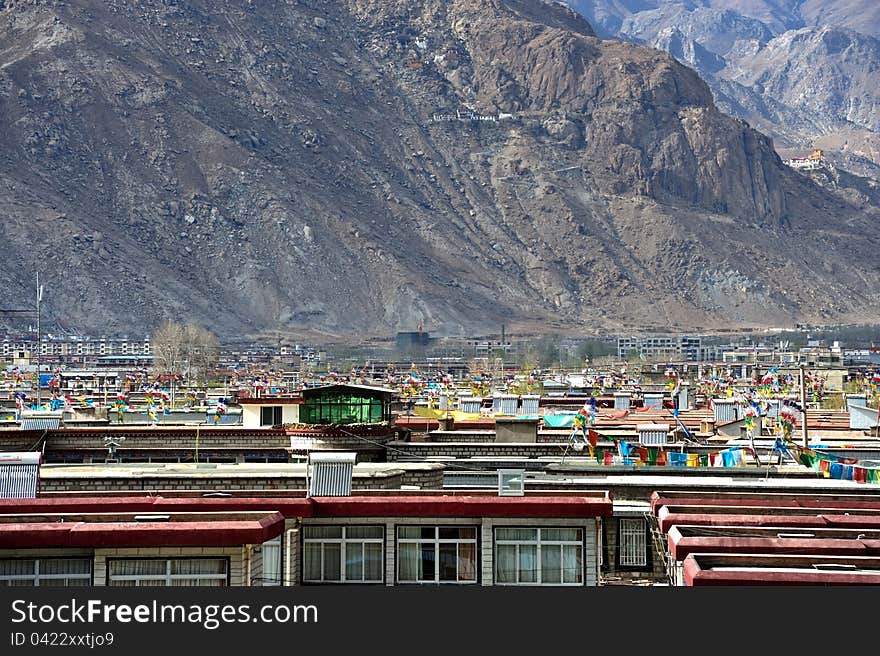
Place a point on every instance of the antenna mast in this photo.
(39, 339)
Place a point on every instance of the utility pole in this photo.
(39, 339)
(804, 406)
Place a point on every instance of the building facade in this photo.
(390, 540)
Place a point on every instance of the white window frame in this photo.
(511, 482)
(632, 544)
(540, 542)
(276, 410)
(35, 577)
(437, 541)
(272, 553)
(345, 543)
(168, 577)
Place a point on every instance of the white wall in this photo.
(250, 414)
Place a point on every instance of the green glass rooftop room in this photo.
(345, 404)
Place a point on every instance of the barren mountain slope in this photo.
(358, 167)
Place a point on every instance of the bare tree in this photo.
(200, 347)
(167, 347)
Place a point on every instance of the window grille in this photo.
(632, 547)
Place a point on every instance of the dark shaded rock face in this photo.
(361, 166)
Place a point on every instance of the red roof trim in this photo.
(354, 506)
(141, 534)
(801, 501)
(668, 520)
(463, 507)
(694, 575)
(684, 546)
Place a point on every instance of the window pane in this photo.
(449, 532)
(198, 566)
(528, 563)
(551, 564)
(561, 534)
(466, 533)
(318, 532)
(428, 564)
(364, 532)
(372, 562)
(573, 568)
(16, 567)
(523, 534)
(449, 562)
(272, 563)
(65, 566)
(408, 562)
(140, 583)
(505, 563)
(354, 562)
(332, 561)
(412, 532)
(467, 562)
(312, 562)
(138, 567)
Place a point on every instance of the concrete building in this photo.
(663, 347)
(398, 539)
(267, 412)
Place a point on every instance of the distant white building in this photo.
(815, 161)
(670, 347)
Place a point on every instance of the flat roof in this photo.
(218, 470)
(596, 504)
(684, 541)
(837, 518)
(772, 569)
(661, 498)
(659, 481)
(89, 531)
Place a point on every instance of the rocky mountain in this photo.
(357, 167)
(805, 73)
(608, 16)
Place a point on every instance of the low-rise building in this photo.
(396, 539)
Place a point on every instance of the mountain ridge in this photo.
(805, 73)
(362, 167)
